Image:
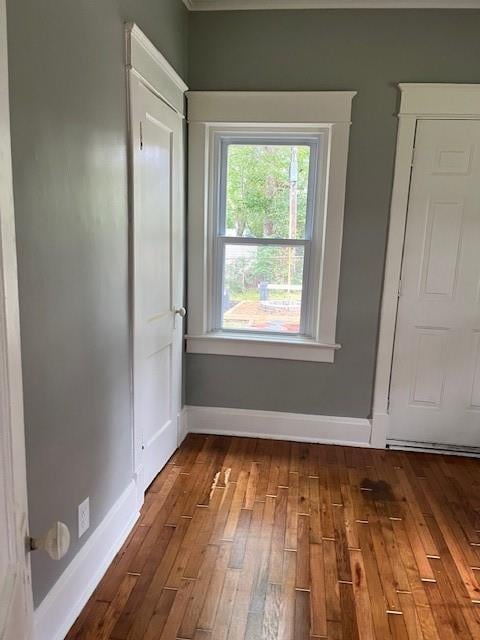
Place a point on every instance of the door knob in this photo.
(181, 311)
(55, 542)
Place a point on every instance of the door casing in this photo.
(16, 608)
(418, 101)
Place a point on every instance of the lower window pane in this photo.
(262, 288)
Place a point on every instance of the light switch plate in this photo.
(83, 517)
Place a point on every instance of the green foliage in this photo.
(266, 198)
(239, 275)
(274, 265)
(258, 190)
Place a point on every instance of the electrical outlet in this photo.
(83, 517)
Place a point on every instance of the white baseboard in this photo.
(380, 422)
(59, 610)
(182, 424)
(355, 432)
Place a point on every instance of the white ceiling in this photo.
(222, 5)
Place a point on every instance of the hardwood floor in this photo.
(246, 539)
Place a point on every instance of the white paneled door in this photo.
(15, 579)
(435, 386)
(158, 277)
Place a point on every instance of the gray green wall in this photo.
(368, 51)
(70, 168)
(67, 92)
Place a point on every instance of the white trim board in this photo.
(15, 578)
(268, 107)
(418, 101)
(153, 69)
(234, 5)
(276, 425)
(62, 605)
(219, 343)
(182, 425)
(441, 100)
(425, 447)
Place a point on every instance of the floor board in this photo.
(246, 539)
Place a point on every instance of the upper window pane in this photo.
(266, 190)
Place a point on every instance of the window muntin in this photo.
(264, 227)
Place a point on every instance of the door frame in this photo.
(423, 101)
(145, 64)
(16, 607)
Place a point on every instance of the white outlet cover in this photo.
(83, 517)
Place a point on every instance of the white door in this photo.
(157, 227)
(435, 387)
(15, 583)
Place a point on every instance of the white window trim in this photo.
(306, 112)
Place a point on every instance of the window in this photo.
(263, 233)
(262, 202)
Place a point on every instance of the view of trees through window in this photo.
(266, 198)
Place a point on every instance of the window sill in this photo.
(261, 346)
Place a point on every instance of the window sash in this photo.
(281, 242)
(221, 240)
(219, 281)
(224, 141)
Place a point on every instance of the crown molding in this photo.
(232, 5)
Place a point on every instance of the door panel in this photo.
(429, 368)
(442, 248)
(156, 393)
(157, 248)
(475, 395)
(435, 383)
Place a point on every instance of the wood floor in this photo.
(247, 539)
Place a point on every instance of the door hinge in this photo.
(414, 153)
(399, 292)
(141, 135)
